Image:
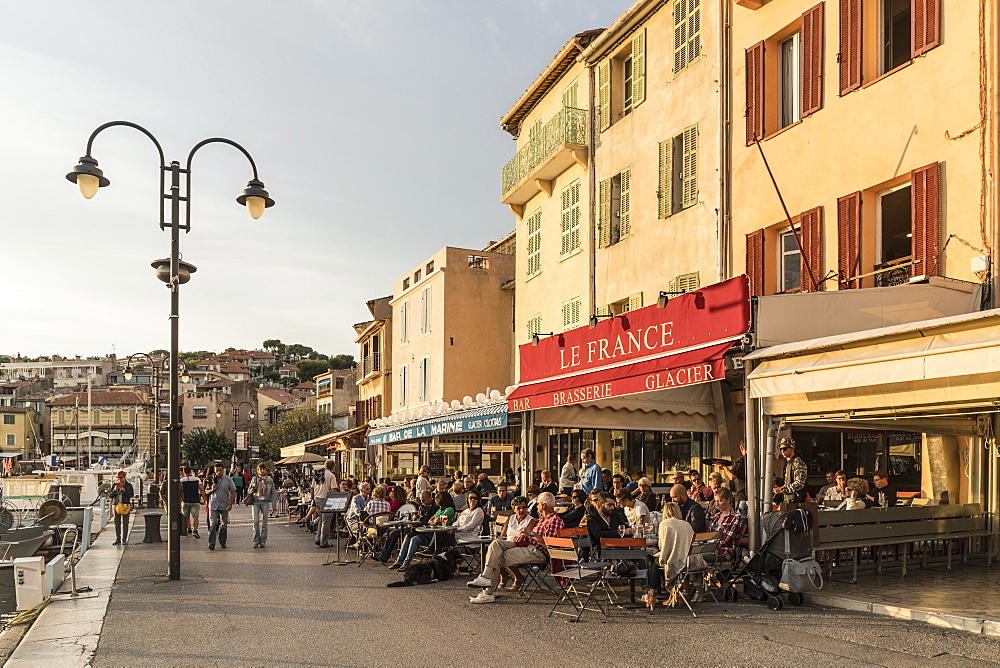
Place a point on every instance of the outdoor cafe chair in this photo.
(371, 536)
(696, 568)
(615, 550)
(578, 585)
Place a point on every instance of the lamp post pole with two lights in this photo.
(251, 415)
(174, 272)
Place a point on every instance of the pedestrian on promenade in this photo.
(263, 494)
(192, 498)
(238, 481)
(121, 495)
(323, 489)
(223, 496)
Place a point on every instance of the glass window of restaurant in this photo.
(861, 452)
(658, 454)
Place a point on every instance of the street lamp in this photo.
(89, 177)
(251, 415)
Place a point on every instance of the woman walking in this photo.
(262, 494)
(121, 496)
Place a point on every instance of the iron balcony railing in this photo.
(568, 126)
(371, 364)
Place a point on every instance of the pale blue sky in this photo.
(373, 124)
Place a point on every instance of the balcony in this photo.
(561, 144)
(371, 364)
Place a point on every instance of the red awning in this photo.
(691, 367)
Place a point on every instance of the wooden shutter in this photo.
(535, 243)
(639, 68)
(755, 262)
(604, 310)
(849, 239)
(850, 45)
(925, 31)
(664, 193)
(755, 92)
(811, 259)
(604, 213)
(925, 196)
(570, 94)
(680, 35)
(635, 301)
(812, 60)
(689, 168)
(604, 95)
(624, 219)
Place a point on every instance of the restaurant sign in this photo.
(441, 428)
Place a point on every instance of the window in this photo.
(200, 412)
(893, 34)
(11, 441)
(571, 94)
(678, 174)
(570, 218)
(404, 322)
(535, 243)
(425, 379)
(571, 313)
(95, 417)
(789, 262)
(404, 386)
(687, 33)
(62, 417)
(429, 269)
(338, 384)
(614, 216)
(895, 216)
(621, 81)
(131, 416)
(790, 54)
(8, 419)
(406, 283)
(479, 262)
(416, 277)
(534, 325)
(425, 311)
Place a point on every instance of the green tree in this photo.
(297, 350)
(310, 368)
(275, 346)
(272, 376)
(202, 445)
(159, 351)
(343, 362)
(294, 427)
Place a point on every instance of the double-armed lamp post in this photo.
(251, 415)
(174, 272)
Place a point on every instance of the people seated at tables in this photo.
(458, 495)
(379, 503)
(857, 489)
(548, 484)
(617, 484)
(528, 547)
(644, 492)
(469, 523)
(729, 524)
(883, 495)
(425, 511)
(440, 486)
(691, 510)
(698, 490)
(606, 481)
(444, 516)
(470, 483)
(575, 515)
(636, 512)
(830, 482)
(606, 521)
(518, 523)
(532, 495)
(397, 497)
(633, 486)
(679, 480)
(674, 543)
(498, 502)
(838, 491)
(485, 486)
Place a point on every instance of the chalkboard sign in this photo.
(475, 458)
(435, 459)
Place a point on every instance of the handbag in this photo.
(801, 575)
(123, 508)
(248, 500)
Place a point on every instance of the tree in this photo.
(275, 346)
(343, 362)
(294, 427)
(310, 368)
(204, 445)
(297, 350)
(159, 351)
(272, 376)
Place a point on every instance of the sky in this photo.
(374, 126)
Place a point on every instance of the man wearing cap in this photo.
(793, 484)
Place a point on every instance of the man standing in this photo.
(423, 480)
(737, 474)
(883, 495)
(323, 489)
(567, 477)
(691, 510)
(792, 487)
(223, 496)
(192, 497)
(590, 477)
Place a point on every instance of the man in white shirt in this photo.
(423, 480)
(568, 477)
(323, 489)
(636, 511)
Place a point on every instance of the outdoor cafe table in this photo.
(434, 531)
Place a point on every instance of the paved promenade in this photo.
(281, 607)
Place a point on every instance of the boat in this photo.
(25, 547)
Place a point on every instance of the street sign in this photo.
(242, 440)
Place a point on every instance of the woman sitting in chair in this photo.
(854, 499)
(397, 497)
(469, 524)
(675, 537)
(445, 516)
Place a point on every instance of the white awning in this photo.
(938, 362)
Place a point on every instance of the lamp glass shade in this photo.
(88, 184)
(255, 206)
(218, 413)
(128, 375)
(252, 415)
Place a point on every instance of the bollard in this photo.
(152, 528)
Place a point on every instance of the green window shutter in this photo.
(571, 95)
(635, 301)
(639, 68)
(604, 214)
(624, 223)
(535, 243)
(689, 170)
(604, 95)
(664, 194)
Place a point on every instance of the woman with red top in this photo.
(397, 497)
(728, 522)
(698, 491)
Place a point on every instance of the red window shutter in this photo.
(925, 33)
(849, 239)
(850, 45)
(755, 262)
(755, 92)
(812, 60)
(811, 233)
(925, 196)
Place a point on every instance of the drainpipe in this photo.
(768, 485)
(750, 418)
(592, 170)
(725, 127)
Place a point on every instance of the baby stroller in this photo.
(787, 535)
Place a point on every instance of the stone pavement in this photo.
(281, 607)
